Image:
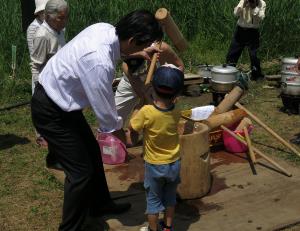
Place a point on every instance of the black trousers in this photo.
(72, 141)
(245, 37)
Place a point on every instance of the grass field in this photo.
(207, 25)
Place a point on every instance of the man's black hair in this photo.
(141, 25)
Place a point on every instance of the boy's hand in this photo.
(132, 137)
(149, 51)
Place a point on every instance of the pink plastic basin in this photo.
(231, 144)
(113, 150)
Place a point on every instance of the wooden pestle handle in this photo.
(238, 105)
(249, 144)
(152, 66)
(242, 140)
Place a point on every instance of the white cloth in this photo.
(125, 98)
(81, 74)
(46, 43)
(40, 5)
(202, 113)
(248, 17)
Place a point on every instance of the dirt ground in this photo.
(242, 196)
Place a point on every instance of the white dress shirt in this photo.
(46, 43)
(81, 74)
(248, 17)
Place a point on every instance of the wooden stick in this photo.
(268, 129)
(163, 16)
(152, 66)
(249, 144)
(242, 140)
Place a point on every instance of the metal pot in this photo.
(205, 70)
(224, 74)
(290, 76)
(222, 87)
(291, 88)
(288, 63)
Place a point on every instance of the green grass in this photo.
(207, 25)
(26, 186)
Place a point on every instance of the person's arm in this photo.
(169, 56)
(259, 10)
(145, 53)
(136, 83)
(136, 125)
(96, 82)
(39, 55)
(239, 8)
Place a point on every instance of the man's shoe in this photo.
(56, 166)
(95, 224)
(51, 162)
(112, 208)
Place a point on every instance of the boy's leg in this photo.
(153, 185)
(153, 221)
(169, 215)
(169, 194)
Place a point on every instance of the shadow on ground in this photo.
(187, 212)
(10, 140)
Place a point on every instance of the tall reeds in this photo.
(207, 24)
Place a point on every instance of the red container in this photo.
(113, 150)
(233, 145)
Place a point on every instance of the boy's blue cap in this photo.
(168, 80)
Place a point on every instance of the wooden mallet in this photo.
(163, 16)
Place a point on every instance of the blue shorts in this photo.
(160, 183)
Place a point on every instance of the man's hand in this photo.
(297, 69)
(147, 53)
(250, 3)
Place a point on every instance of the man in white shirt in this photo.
(80, 75)
(250, 13)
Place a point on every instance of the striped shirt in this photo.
(248, 17)
(46, 43)
(31, 30)
(82, 72)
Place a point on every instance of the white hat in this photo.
(40, 5)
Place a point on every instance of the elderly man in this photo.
(48, 39)
(250, 13)
(78, 76)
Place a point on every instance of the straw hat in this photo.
(40, 5)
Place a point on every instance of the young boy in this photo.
(161, 146)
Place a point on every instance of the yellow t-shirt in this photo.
(161, 139)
